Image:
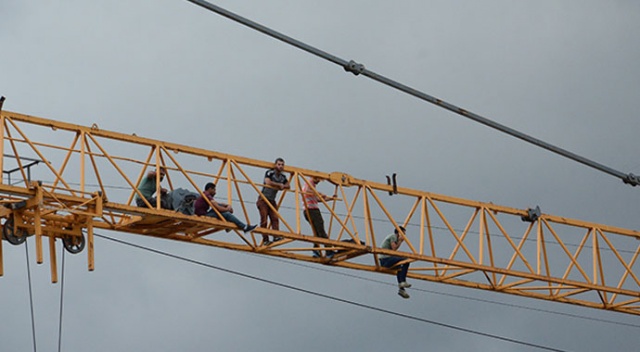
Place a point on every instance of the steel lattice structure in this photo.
(64, 181)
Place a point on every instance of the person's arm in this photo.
(270, 183)
(221, 207)
(306, 189)
(326, 197)
(396, 244)
(159, 188)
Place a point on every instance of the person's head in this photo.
(278, 165)
(210, 188)
(401, 229)
(162, 171)
(316, 180)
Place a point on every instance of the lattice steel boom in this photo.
(63, 181)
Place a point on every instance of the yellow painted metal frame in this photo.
(552, 258)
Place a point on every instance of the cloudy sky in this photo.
(565, 72)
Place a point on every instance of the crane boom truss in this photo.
(87, 180)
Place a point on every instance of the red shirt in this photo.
(310, 200)
(200, 207)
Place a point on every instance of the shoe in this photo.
(329, 254)
(402, 293)
(276, 239)
(227, 230)
(316, 254)
(249, 228)
(404, 284)
(266, 243)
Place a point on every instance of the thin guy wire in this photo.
(407, 316)
(33, 320)
(61, 304)
(445, 294)
(359, 69)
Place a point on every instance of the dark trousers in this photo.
(165, 202)
(389, 262)
(229, 217)
(267, 213)
(314, 217)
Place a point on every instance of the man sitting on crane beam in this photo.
(201, 207)
(148, 187)
(393, 242)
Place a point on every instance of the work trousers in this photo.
(165, 202)
(389, 262)
(266, 213)
(229, 217)
(314, 217)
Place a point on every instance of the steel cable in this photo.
(61, 304)
(357, 69)
(33, 320)
(361, 305)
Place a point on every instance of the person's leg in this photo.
(306, 217)
(263, 209)
(140, 202)
(227, 216)
(273, 218)
(166, 201)
(318, 223)
(152, 200)
(390, 262)
(309, 218)
(232, 218)
(273, 215)
(402, 273)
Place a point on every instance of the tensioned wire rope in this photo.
(359, 69)
(322, 295)
(326, 296)
(33, 320)
(446, 294)
(61, 303)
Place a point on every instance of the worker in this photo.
(393, 242)
(201, 207)
(310, 199)
(274, 181)
(148, 187)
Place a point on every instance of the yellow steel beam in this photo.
(449, 240)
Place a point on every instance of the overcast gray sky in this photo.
(563, 71)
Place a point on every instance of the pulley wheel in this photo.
(14, 237)
(73, 244)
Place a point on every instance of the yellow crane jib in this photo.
(90, 178)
